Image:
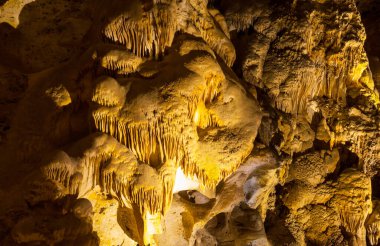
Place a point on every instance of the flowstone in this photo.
(189, 122)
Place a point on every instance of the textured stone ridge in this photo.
(192, 122)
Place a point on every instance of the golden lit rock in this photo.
(193, 122)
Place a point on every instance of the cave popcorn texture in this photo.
(188, 122)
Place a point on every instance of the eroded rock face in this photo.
(188, 122)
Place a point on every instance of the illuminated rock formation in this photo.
(372, 224)
(183, 126)
(192, 122)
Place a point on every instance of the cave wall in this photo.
(192, 122)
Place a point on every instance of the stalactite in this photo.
(373, 233)
(364, 142)
(117, 173)
(193, 168)
(59, 168)
(202, 117)
(145, 139)
(148, 36)
(121, 62)
(329, 80)
(90, 169)
(214, 36)
(162, 139)
(197, 104)
(148, 200)
(241, 21)
(311, 83)
(168, 174)
(108, 92)
(220, 21)
(75, 183)
(353, 222)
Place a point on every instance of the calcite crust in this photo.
(189, 122)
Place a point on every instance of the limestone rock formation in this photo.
(189, 122)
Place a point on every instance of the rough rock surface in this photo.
(189, 122)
